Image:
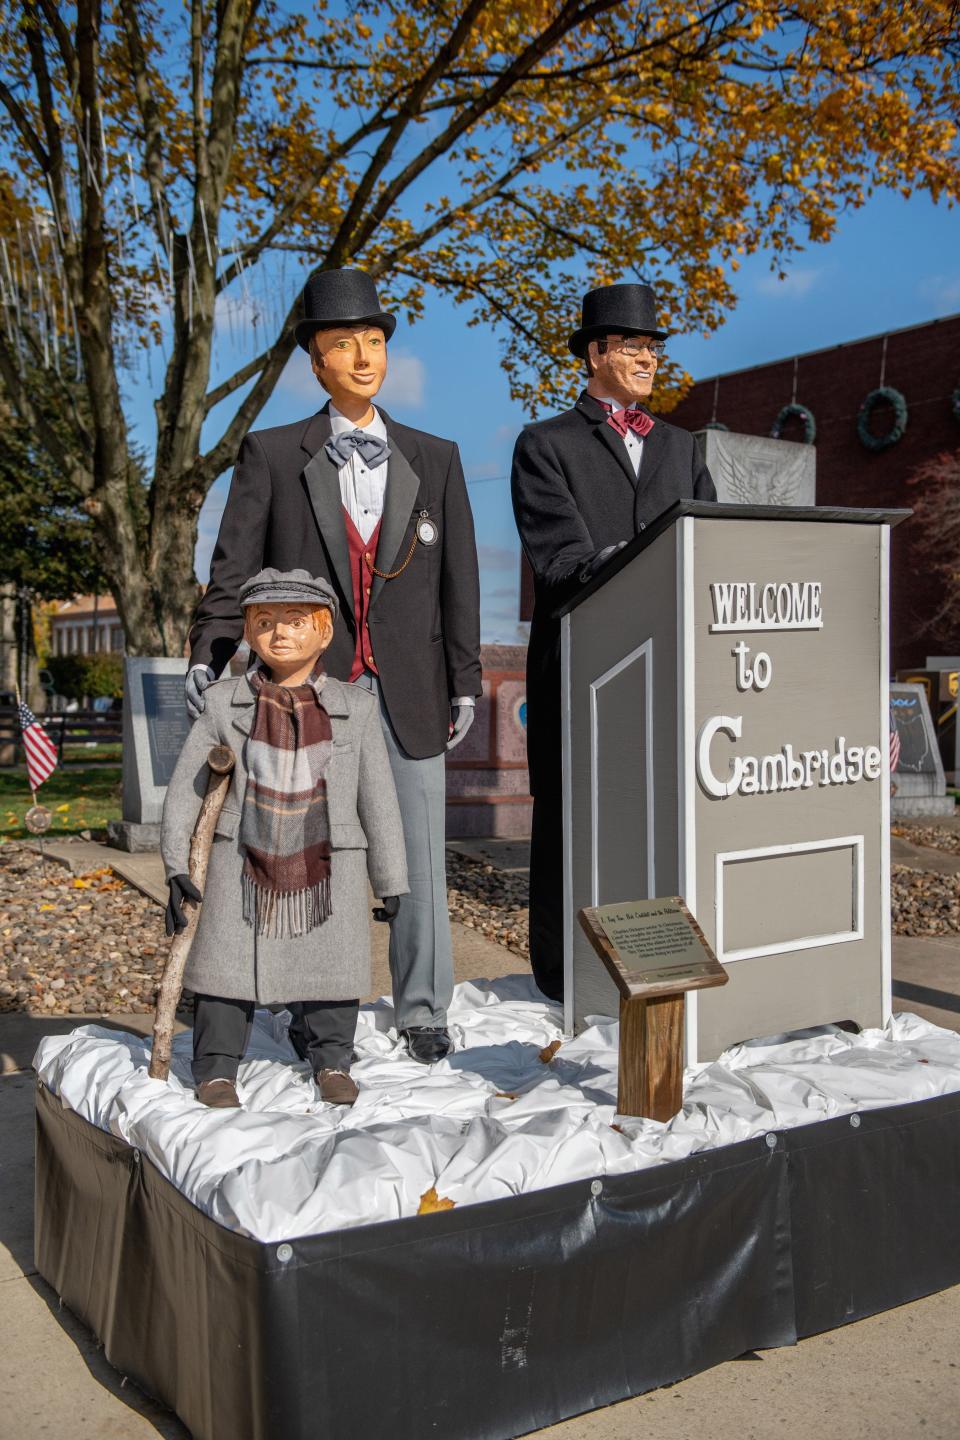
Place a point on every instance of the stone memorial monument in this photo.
(155, 725)
(919, 782)
(756, 470)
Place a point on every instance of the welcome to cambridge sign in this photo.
(726, 739)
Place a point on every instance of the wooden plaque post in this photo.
(652, 999)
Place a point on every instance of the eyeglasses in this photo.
(635, 345)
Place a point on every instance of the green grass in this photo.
(80, 798)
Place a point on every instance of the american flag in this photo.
(39, 749)
(894, 749)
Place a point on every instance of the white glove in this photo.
(198, 678)
(461, 718)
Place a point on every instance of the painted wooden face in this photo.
(288, 638)
(626, 368)
(350, 361)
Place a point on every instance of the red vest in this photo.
(362, 576)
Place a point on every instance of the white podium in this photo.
(726, 739)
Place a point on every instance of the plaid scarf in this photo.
(284, 827)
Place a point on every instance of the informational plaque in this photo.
(168, 723)
(652, 947)
(655, 952)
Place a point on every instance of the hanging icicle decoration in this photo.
(56, 215)
(103, 150)
(133, 188)
(87, 154)
(206, 233)
(76, 343)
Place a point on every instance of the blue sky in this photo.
(892, 263)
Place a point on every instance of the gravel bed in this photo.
(923, 903)
(935, 837)
(72, 945)
(92, 944)
(492, 901)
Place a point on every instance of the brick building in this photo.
(923, 363)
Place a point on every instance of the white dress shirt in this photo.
(361, 489)
(632, 440)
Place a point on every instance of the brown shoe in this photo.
(336, 1087)
(219, 1095)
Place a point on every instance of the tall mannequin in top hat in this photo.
(584, 483)
(381, 512)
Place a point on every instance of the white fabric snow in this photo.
(492, 1120)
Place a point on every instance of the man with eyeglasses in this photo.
(584, 483)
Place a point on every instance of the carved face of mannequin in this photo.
(289, 639)
(624, 377)
(350, 363)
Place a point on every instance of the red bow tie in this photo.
(631, 419)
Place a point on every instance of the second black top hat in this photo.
(622, 309)
(341, 297)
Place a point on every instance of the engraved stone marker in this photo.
(155, 725)
(919, 778)
(755, 470)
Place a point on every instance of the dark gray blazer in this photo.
(284, 509)
(574, 493)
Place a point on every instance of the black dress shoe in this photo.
(427, 1043)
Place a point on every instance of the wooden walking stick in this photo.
(220, 763)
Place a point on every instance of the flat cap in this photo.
(289, 587)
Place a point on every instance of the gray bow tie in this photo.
(372, 450)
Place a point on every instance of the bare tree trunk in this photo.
(151, 575)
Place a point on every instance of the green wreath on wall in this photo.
(885, 395)
(719, 425)
(799, 412)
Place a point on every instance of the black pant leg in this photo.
(221, 1031)
(325, 1032)
(546, 892)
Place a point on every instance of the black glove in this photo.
(387, 912)
(181, 888)
(596, 562)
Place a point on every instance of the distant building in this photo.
(86, 625)
(923, 364)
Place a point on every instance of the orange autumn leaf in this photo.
(548, 1051)
(431, 1202)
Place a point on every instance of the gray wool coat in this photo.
(331, 962)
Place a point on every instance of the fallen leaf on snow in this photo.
(430, 1202)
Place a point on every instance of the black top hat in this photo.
(340, 297)
(617, 309)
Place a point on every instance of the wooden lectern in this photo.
(726, 739)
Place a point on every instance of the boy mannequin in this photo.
(310, 813)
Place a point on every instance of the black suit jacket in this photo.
(284, 509)
(574, 493)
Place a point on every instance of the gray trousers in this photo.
(421, 952)
(322, 1032)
